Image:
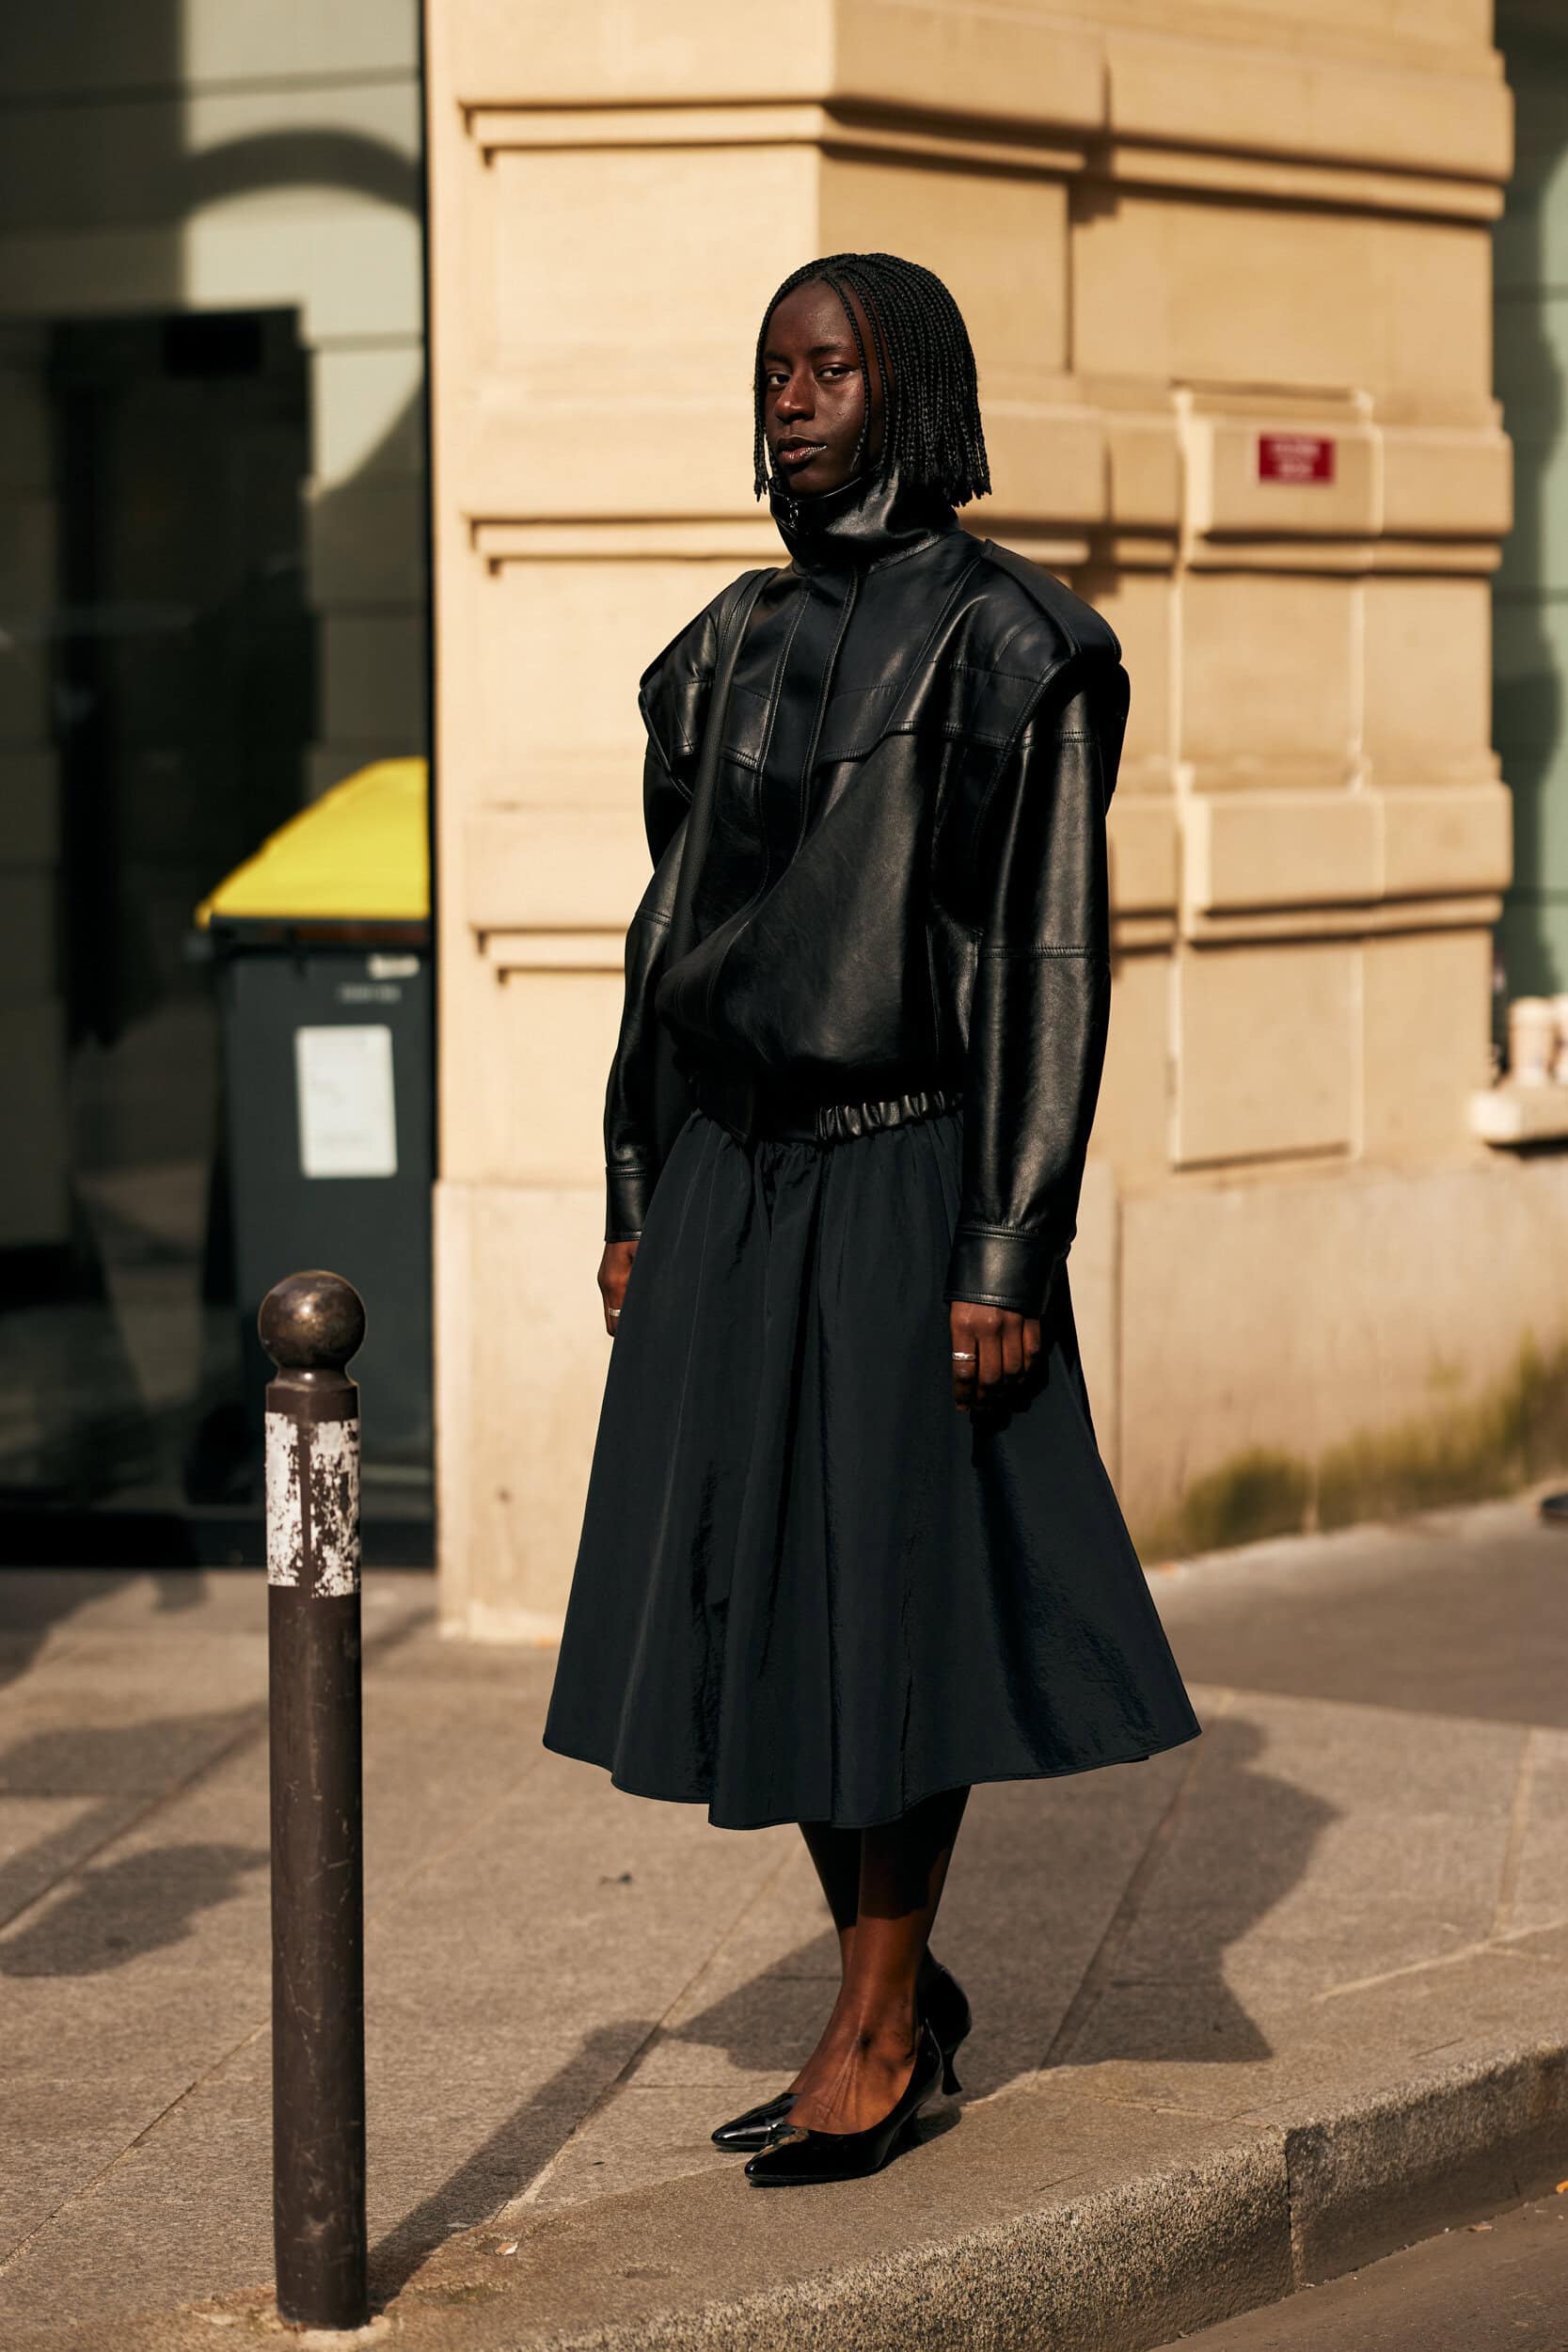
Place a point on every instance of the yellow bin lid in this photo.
(359, 853)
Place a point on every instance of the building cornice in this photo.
(1300, 114)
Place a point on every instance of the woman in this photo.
(848, 1546)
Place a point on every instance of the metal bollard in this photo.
(311, 1325)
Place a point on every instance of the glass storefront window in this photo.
(213, 609)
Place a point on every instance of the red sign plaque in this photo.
(1295, 458)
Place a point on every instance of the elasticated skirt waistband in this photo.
(750, 1109)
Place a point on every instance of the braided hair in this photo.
(933, 428)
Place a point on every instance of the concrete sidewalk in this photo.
(1245, 2014)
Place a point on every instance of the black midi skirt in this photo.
(809, 1588)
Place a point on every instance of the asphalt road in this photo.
(1498, 2287)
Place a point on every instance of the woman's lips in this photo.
(796, 454)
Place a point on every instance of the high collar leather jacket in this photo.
(903, 875)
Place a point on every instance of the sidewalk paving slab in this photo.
(1245, 2014)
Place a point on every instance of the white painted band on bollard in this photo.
(327, 1451)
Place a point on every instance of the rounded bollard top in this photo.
(311, 1323)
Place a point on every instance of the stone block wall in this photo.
(1190, 241)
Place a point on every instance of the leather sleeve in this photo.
(673, 701)
(1040, 1008)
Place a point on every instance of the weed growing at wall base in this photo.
(1511, 1435)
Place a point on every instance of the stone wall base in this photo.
(1307, 1352)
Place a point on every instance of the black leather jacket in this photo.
(904, 884)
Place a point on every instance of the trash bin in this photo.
(321, 947)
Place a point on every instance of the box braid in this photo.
(932, 404)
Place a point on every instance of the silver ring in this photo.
(615, 1311)
(962, 1360)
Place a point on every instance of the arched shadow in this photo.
(122, 1910)
(297, 159)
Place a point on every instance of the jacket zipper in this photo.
(824, 696)
(822, 701)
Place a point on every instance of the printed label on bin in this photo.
(347, 1112)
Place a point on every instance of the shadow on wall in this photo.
(1530, 656)
(359, 522)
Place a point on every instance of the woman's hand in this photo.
(992, 1349)
(614, 1266)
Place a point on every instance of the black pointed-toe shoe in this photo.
(944, 2007)
(755, 2127)
(803, 2159)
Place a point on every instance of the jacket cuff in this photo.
(626, 1191)
(1008, 1269)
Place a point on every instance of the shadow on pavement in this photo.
(117, 1760)
(1438, 1639)
(128, 1768)
(1239, 1841)
(32, 1601)
(514, 2154)
(122, 1910)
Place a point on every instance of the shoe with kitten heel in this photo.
(806, 2159)
(943, 2006)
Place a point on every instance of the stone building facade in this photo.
(1228, 266)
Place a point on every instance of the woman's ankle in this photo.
(878, 2029)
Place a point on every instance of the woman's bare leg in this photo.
(835, 1855)
(836, 1858)
(861, 2064)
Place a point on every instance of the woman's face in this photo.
(813, 392)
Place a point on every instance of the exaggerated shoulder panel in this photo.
(1070, 623)
(1018, 637)
(672, 690)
